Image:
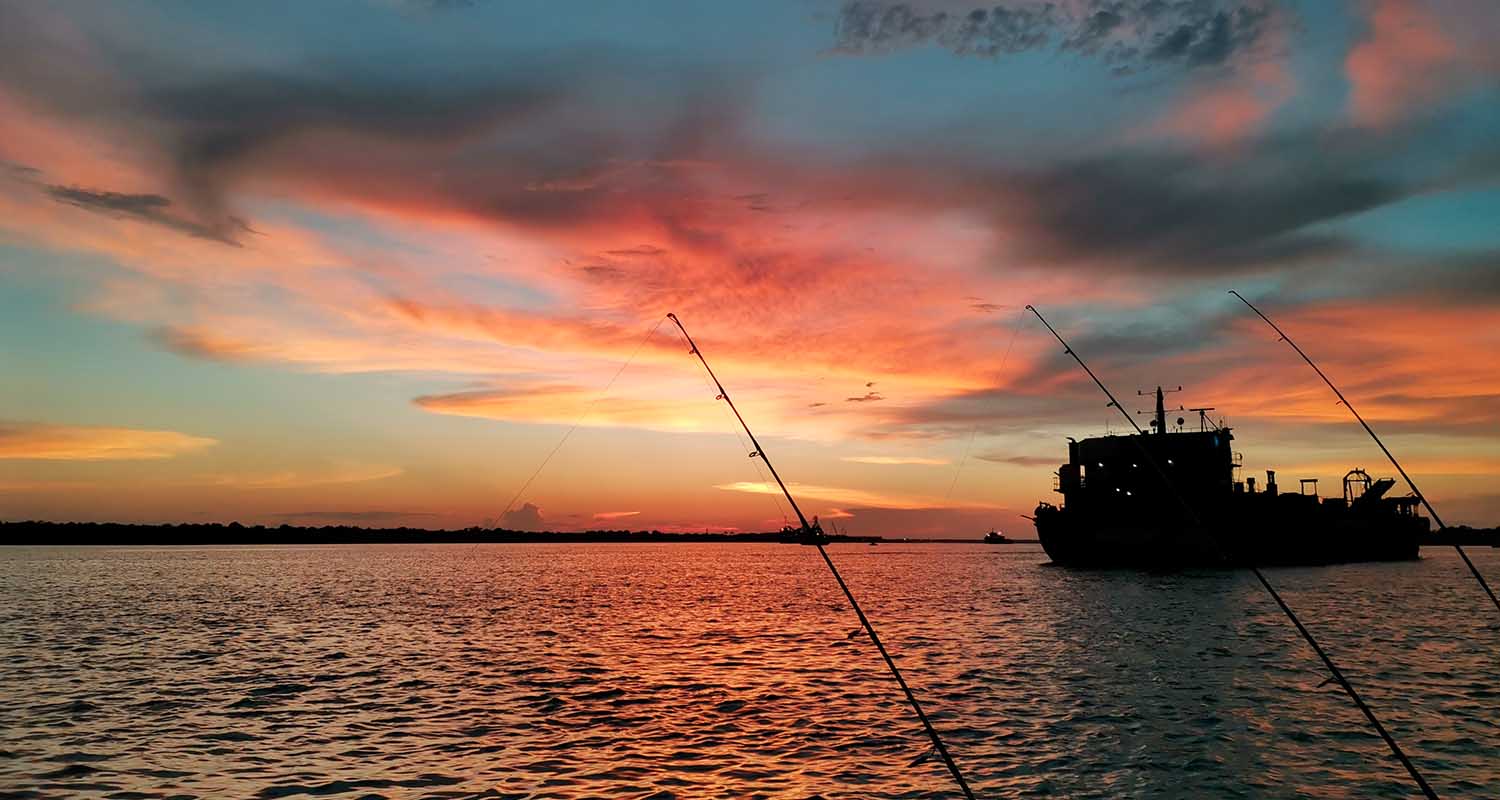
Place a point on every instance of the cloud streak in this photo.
(46, 442)
(845, 496)
(151, 208)
(895, 460)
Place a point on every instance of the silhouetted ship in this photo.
(995, 537)
(1161, 500)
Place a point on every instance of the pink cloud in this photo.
(1414, 55)
(1404, 58)
(1225, 110)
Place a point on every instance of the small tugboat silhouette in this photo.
(1126, 501)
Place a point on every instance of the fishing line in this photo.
(474, 548)
(814, 536)
(589, 409)
(1474, 570)
(1020, 320)
(1275, 595)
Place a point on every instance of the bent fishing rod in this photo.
(1474, 570)
(1307, 636)
(814, 536)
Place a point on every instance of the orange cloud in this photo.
(608, 515)
(1406, 361)
(90, 443)
(565, 405)
(301, 479)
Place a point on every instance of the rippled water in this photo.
(570, 671)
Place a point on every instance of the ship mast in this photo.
(1307, 636)
(1478, 576)
(813, 535)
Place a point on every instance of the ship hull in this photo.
(1234, 540)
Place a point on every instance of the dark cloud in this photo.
(441, 5)
(1127, 34)
(638, 250)
(866, 25)
(225, 125)
(526, 518)
(868, 397)
(20, 172)
(1022, 461)
(602, 273)
(552, 137)
(1172, 211)
(152, 208)
(200, 344)
(1011, 410)
(1208, 41)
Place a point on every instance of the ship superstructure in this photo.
(1172, 497)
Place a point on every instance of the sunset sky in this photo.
(368, 261)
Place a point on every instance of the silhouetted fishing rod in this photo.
(1409, 482)
(813, 535)
(1338, 674)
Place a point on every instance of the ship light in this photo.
(1169, 461)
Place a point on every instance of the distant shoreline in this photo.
(189, 534)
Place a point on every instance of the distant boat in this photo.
(995, 537)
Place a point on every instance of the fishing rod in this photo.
(1478, 576)
(813, 535)
(1307, 636)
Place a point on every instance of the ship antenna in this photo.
(1338, 674)
(1478, 576)
(813, 534)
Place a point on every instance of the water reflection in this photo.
(722, 670)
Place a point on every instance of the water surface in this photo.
(717, 670)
